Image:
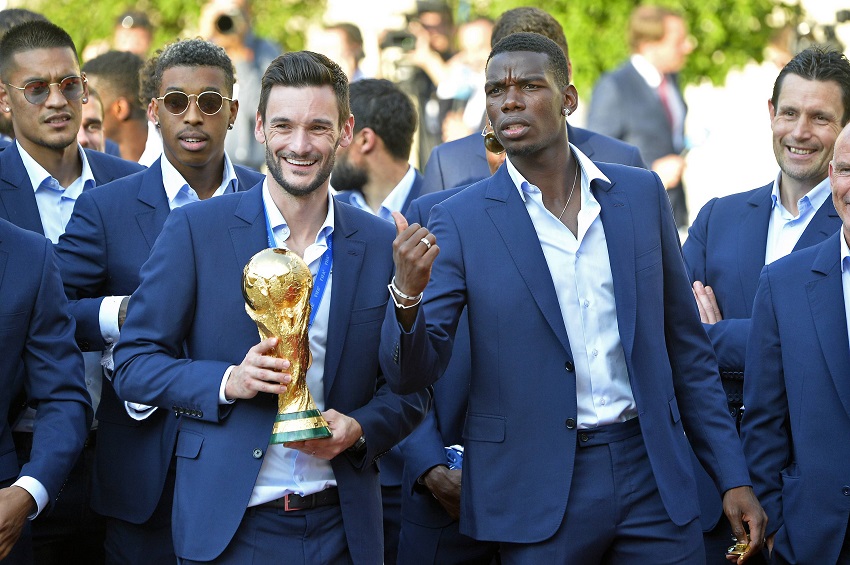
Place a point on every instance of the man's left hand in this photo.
(740, 505)
(345, 431)
(15, 505)
(709, 311)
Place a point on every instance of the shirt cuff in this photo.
(138, 411)
(221, 398)
(37, 492)
(108, 318)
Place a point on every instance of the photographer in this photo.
(227, 23)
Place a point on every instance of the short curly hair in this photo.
(194, 52)
(536, 43)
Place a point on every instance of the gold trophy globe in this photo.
(276, 285)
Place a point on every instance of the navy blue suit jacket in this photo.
(415, 191)
(106, 242)
(38, 334)
(17, 195)
(725, 249)
(464, 161)
(520, 428)
(796, 431)
(187, 324)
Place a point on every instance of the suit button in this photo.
(257, 453)
(584, 437)
(845, 491)
(569, 366)
(571, 423)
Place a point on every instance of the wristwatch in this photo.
(359, 445)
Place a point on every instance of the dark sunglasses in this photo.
(491, 143)
(208, 102)
(37, 91)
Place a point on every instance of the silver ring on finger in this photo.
(426, 242)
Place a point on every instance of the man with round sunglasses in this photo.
(109, 238)
(41, 175)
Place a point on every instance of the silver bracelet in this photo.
(394, 291)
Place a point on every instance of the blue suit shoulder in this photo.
(122, 167)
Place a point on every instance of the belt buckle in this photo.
(286, 507)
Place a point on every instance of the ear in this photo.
(121, 109)
(771, 110)
(366, 140)
(347, 132)
(259, 134)
(153, 111)
(570, 98)
(234, 109)
(5, 105)
(85, 96)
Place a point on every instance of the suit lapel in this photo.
(16, 192)
(825, 223)
(616, 216)
(511, 219)
(415, 190)
(152, 195)
(752, 240)
(248, 233)
(347, 261)
(824, 294)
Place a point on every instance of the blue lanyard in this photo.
(320, 281)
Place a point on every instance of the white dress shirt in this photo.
(845, 276)
(55, 205)
(394, 200)
(153, 146)
(286, 471)
(584, 285)
(784, 229)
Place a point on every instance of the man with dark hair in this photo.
(41, 175)
(640, 102)
(40, 358)
(108, 239)
(588, 363)
(8, 19)
(115, 74)
(463, 161)
(374, 174)
(734, 237)
(239, 498)
(373, 171)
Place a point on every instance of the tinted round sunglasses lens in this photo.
(176, 102)
(210, 102)
(72, 88)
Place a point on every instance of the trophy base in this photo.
(299, 426)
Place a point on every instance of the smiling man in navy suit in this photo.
(796, 430)
(735, 236)
(189, 346)
(108, 239)
(581, 318)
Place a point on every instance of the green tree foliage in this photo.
(283, 21)
(727, 33)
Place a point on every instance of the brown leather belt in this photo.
(290, 502)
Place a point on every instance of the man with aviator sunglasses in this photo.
(41, 176)
(109, 238)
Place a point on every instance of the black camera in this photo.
(401, 39)
(229, 23)
(842, 16)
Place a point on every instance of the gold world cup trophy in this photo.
(276, 285)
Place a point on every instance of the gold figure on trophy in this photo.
(276, 285)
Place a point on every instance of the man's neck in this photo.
(547, 169)
(204, 180)
(384, 176)
(304, 215)
(65, 165)
(792, 190)
(132, 136)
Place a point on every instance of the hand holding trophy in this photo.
(276, 285)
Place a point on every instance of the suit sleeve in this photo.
(414, 360)
(764, 429)
(728, 336)
(605, 115)
(81, 256)
(150, 364)
(55, 384)
(702, 402)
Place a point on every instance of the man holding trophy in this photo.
(191, 345)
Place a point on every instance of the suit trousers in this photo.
(149, 542)
(299, 537)
(614, 512)
(421, 545)
(391, 503)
